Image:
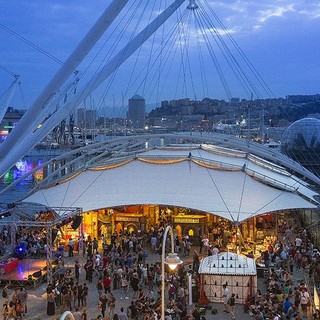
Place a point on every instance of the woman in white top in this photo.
(304, 302)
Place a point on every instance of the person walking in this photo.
(122, 314)
(225, 297)
(132, 311)
(88, 267)
(99, 287)
(188, 247)
(50, 304)
(135, 284)
(107, 284)
(19, 309)
(286, 307)
(70, 247)
(200, 244)
(75, 295)
(95, 245)
(304, 302)
(181, 295)
(80, 295)
(153, 242)
(111, 305)
(124, 286)
(297, 297)
(231, 305)
(84, 294)
(196, 261)
(171, 291)
(5, 295)
(103, 304)
(90, 250)
(77, 270)
(23, 295)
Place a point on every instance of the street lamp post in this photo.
(172, 260)
(67, 315)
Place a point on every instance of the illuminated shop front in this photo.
(141, 218)
(134, 219)
(105, 222)
(185, 222)
(193, 226)
(251, 236)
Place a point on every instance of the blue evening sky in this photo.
(281, 39)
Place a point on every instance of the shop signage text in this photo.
(132, 219)
(186, 220)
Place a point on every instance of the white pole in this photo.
(167, 229)
(63, 73)
(190, 288)
(29, 141)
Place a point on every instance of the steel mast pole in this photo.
(62, 75)
(12, 89)
(172, 260)
(30, 141)
(165, 234)
(49, 253)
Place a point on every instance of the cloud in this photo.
(273, 34)
(275, 11)
(251, 15)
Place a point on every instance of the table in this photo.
(8, 266)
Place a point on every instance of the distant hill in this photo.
(121, 112)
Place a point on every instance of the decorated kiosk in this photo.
(238, 272)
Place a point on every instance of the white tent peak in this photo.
(205, 178)
(228, 263)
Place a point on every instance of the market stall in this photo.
(236, 271)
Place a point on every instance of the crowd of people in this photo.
(121, 267)
(285, 299)
(14, 307)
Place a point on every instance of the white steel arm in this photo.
(62, 75)
(29, 141)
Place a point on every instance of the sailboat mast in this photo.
(12, 89)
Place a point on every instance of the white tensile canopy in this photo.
(227, 183)
(238, 272)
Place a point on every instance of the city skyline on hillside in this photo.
(284, 55)
(300, 106)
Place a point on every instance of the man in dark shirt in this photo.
(132, 311)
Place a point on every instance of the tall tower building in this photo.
(91, 118)
(137, 112)
(81, 118)
(86, 118)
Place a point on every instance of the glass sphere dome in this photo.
(301, 141)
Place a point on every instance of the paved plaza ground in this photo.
(37, 304)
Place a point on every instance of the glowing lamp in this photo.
(172, 260)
